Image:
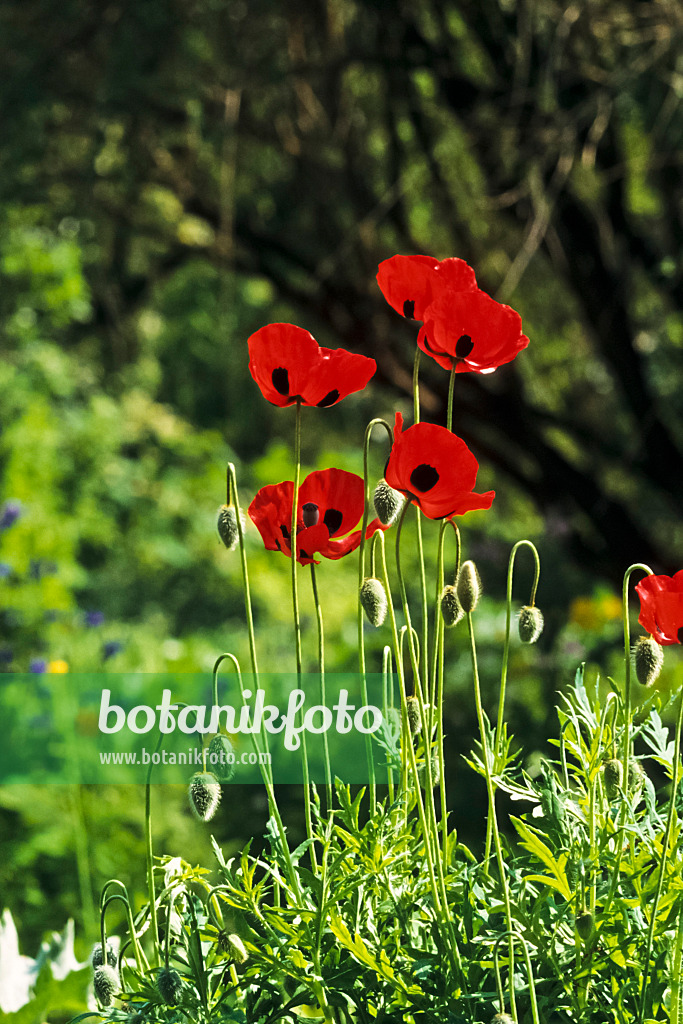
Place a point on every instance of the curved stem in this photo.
(232, 492)
(530, 974)
(131, 928)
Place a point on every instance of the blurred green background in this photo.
(174, 175)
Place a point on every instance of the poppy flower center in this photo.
(409, 309)
(332, 520)
(424, 477)
(463, 346)
(311, 513)
(280, 379)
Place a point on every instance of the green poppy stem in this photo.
(321, 665)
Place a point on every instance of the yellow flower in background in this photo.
(595, 612)
(58, 666)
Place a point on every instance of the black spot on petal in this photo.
(280, 379)
(680, 635)
(330, 398)
(463, 346)
(424, 477)
(409, 309)
(284, 531)
(332, 520)
(303, 554)
(427, 345)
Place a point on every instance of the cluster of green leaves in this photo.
(353, 936)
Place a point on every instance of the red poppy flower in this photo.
(436, 469)
(330, 504)
(661, 607)
(289, 365)
(462, 325)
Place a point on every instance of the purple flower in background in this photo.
(94, 618)
(5, 570)
(38, 665)
(9, 513)
(111, 648)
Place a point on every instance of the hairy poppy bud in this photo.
(502, 1018)
(105, 983)
(584, 926)
(228, 530)
(373, 599)
(468, 587)
(613, 772)
(413, 713)
(434, 767)
(221, 757)
(530, 624)
(648, 658)
(205, 795)
(387, 502)
(97, 960)
(310, 513)
(231, 943)
(636, 779)
(170, 985)
(451, 609)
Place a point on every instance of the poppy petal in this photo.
(336, 374)
(340, 497)
(410, 283)
(280, 359)
(471, 330)
(661, 607)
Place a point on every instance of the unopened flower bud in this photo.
(205, 795)
(451, 609)
(310, 513)
(105, 983)
(530, 624)
(97, 960)
(636, 779)
(387, 502)
(170, 986)
(434, 768)
(221, 758)
(231, 943)
(613, 772)
(584, 926)
(468, 587)
(502, 1018)
(413, 714)
(373, 599)
(648, 658)
(228, 530)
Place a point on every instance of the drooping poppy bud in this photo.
(205, 795)
(468, 587)
(96, 958)
(636, 779)
(221, 758)
(413, 715)
(530, 624)
(170, 986)
(387, 501)
(231, 944)
(228, 530)
(648, 658)
(451, 609)
(105, 983)
(613, 773)
(373, 599)
(502, 1018)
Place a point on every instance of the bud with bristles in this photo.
(530, 624)
(97, 959)
(468, 587)
(413, 713)
(205, 795)
(387, 502)
(221, 758)
(228, 530)
(584, 926)
(170, 986)
(105, 983)
(231, 943)
(613, 771)
(648, 658)
(373, 599)
(434, 766)
(636, 779)
(502, 1018)
(451, 609)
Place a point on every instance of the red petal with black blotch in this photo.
(471, 331)
(340, 497)
(410, 283)
(270, 510)
(661, 607)
(288, 365)
(436, 469)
